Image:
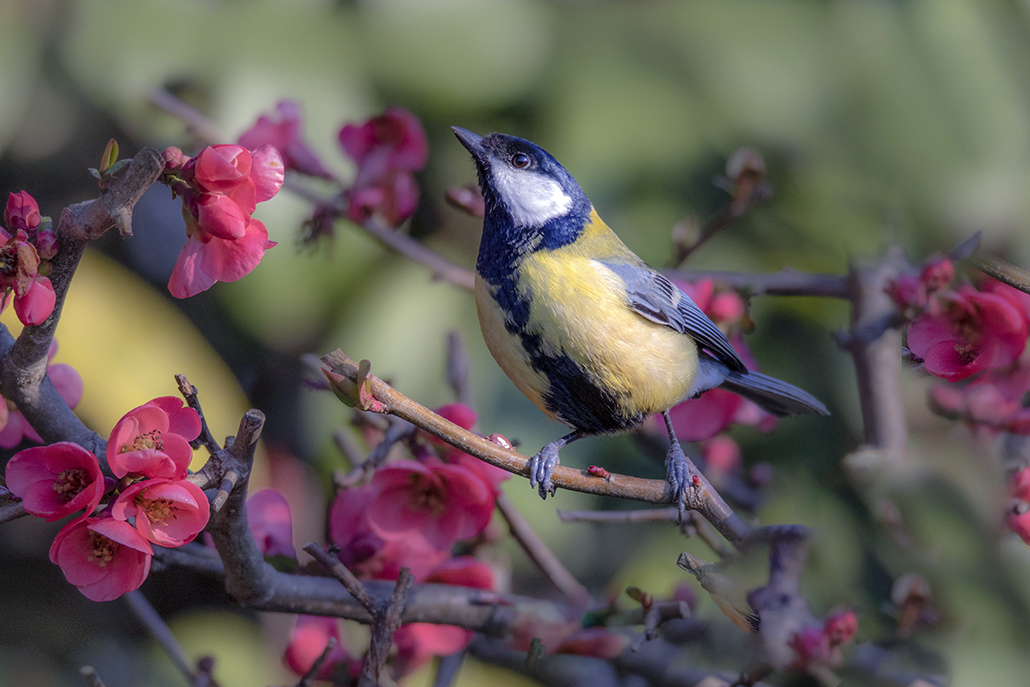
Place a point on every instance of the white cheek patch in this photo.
(532, 198)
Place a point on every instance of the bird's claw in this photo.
(678, 475)
(541, 470)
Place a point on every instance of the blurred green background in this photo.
(879, 120)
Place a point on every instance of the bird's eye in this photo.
(520, 160)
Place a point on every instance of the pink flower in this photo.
(463, 571)
(207, 259)
(103, 557)
(57, 480)
(307, 642)
(19, 263)
(992, 402)
(840, 627)
(285, 136)
(153, 440)
(1019, 522)
(417, 643)
(38, 302)
(366, 553)
(168, 513)
(810, 646)
(68, 383)
(975, 331)
(466, 418)
(441, 503)
(387, 148)
(21, 213)
(393, 140)
(271, 523)
(1020, 485)
(221, 188)
(722, 455)
(393, 195)
(911, 292)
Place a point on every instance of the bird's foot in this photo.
(682, 476)
(541, 469)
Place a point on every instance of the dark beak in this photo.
(471, 141)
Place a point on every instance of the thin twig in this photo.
(447, 668)
(351, 583)
(190, 394)
(316, 667)
(621, 486)
(160, 631)
(1015, 276)
(396, 431)
(458, 367)
(387, 620)
(196, 123)
(787, 282)
(542, 556)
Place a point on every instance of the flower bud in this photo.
(46, 245)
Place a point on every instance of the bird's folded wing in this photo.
(657, 299)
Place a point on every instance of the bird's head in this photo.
(522, 183)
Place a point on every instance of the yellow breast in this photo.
(578, 308)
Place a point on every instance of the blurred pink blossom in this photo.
(387, 148)
(21, 213)
(286, 136)
(271, 524)
(13, 425)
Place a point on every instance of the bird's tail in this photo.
(779, 398)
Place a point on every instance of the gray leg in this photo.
(542, 465)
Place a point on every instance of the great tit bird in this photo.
(590, 333)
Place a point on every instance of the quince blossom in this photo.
(271, 523)
(168, 513)
(153, 440)
(103, 557)
(307, 642)
(285, 136)
(975, 331)
(437, 502)
(220, 188)
(56, 480)
(387, 148)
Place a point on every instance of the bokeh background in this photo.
(879, 120)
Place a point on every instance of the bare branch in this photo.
(160, 631)
(538, 552)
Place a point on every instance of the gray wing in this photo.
(655, 298)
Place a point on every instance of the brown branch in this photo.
(160, 631)
(787, 282)
(387, 620)
(248, 579)
(620, 486)
(309, 677)
(1015, 276)
(23, 377)
(190, 394)
(12, 511)
(196, 123)
(542, 556)
(351, 583)
(875, 344)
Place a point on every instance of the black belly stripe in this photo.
(573, 396)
